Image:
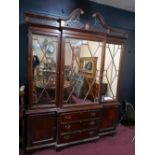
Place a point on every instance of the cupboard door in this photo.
(41, 129)
(82, 66)
(109, 86)
(44, 71)
(109, 118)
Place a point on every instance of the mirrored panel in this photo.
(111, 71)
(82, 71)
(44, 50)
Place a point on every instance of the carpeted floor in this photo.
(118, 144)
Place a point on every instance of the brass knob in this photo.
(91, 132)
(67, 137)
(92, 123)
(92, 114)
(68, 116)
(67, 126)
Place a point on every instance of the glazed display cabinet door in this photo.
(82, 66)
(44, 78)
(111, 72)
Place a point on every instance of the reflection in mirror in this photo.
(111, 71)
(82, 71)
(44, 50)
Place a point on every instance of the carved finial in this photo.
(76, 13)
(73, 20)
(98, 16)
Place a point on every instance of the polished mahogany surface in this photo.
(74, 72)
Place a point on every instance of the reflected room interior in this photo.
(83, 68)
(44, 68)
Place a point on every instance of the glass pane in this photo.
(82, 71)
(111, 70)
(44, 68)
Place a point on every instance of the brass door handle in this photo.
(67, 126)
(92, 114)
(92, 123)
(68, 116)
(67, 137)
(91, 132)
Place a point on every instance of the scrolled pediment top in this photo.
(101, 19)
(76, 13)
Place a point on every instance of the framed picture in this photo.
(88, 66)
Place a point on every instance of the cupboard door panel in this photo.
(41, 128)
(109, 118)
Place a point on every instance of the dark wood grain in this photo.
(60, 124)
(41, 128)
(109, 117)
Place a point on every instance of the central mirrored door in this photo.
(82, 66)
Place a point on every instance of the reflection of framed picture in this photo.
(88, 66)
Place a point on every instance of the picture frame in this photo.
(87, 66)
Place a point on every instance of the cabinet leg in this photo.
(58, 149)
(29, 153)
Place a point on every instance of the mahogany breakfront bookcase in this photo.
(73, 79)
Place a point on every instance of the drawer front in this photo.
(86, 124)
(77, 116)
(68, 117)
(90, 114)
(77, 136)
(69, 138)
(70, 127)
(89, 134)
(90, 124)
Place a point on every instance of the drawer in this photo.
(68, 117)
(90, 114)
(86, 124)
(90, 124)
(70, 127)
(77, 136)
(89, 134)
(77, 116)
(69, 138)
